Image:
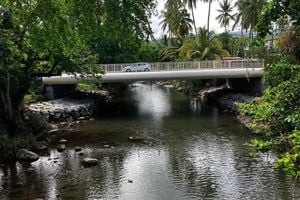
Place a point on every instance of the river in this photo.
(190, 151)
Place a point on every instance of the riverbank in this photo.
(79, 106)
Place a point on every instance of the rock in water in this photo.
(77, 149)
(88, 162)
(136, 138)
(61, 147)
(26, 155)
(63, 141)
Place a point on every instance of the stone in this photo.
(135, 138)
(88, 162)
(63, 141)
(77, 149)
(26, 155)
(30, 169)
(81, 154)
(61, 147)
(106, 146)
(81, 118)
(43, 148)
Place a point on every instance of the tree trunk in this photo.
(194, 21)
(208, 17)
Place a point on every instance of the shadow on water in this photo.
(190, 151)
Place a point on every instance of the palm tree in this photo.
(203, 47)
(225, 14)
(191, 5)
(248, 13)
(176, 20)
(209, 10)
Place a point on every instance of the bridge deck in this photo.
(159, 75)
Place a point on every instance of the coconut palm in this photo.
(248, 13)
(176, 20)
(209, 10)
(191, 5)
(225, 13)
(203, 47)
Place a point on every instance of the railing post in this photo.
(229, 64)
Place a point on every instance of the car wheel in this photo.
(146, 70)
(128, 70)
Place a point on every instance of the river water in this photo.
(190, 151)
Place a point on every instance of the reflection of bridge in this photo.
(171, 71)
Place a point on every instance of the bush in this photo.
(278, 113)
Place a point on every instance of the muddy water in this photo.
(189, 151)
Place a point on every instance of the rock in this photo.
(81, 118)
(77, 149)
(130, 181)
(135, 138)
(26, 155)
(63, 141)
(88, 162)
(53, 130)
(61, 147)
(81, 154)
(43, 148)
(30, 169)
(106, 146)
(19, 184)
(180, 89)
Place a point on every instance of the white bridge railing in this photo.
(192, 65)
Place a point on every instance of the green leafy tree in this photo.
(37, 37)
(281, 12)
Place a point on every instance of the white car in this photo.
(138, 67)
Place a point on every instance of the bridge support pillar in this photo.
(59, 91)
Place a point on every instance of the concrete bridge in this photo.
(233, 70)
(169, 71)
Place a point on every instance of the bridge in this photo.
(249, 68)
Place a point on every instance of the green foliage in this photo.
(225, 15)
(277, 116)
(89, 86)
(150, 52)
(277, 73)
(205, 46)
(176, 19)
(278, 11)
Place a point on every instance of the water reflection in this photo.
(191, 151)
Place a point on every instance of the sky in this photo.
(201, 13)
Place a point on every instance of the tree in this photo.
(277, 11)
(225, 14)
(248, 15)
(176, 20)
(205, 46)
(191, 5)
(209, 10)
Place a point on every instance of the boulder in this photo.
(26, 155)
(61, 147)
(88, 162)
